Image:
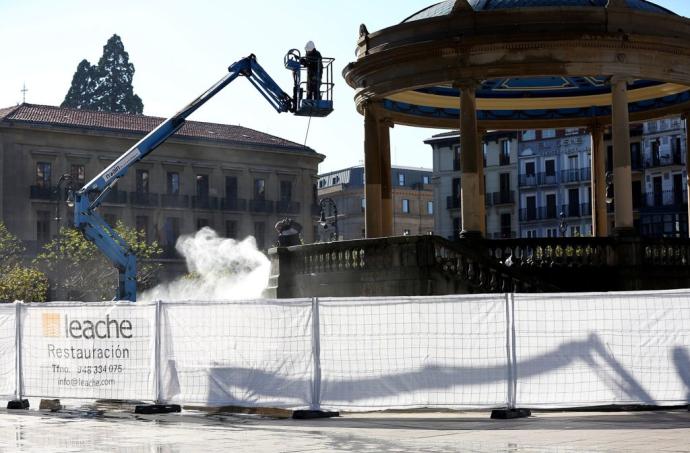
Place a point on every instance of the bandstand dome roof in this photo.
(535, 63)
(445, 8)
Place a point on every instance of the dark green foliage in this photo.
(108, 86)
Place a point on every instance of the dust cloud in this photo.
(219, 269)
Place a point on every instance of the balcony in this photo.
(665, 199)
(548, 179)
(453, 202)
(675, 158)
(233, 204)
(261, 206)
(116, 197)
(527, 180)
(541, 213)
(174, 201)
(500, 198)
(288, 207)
(143, 199)
(204, 202)
(41, 193)
(576, 175)
(576, 210)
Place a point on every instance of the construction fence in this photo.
(455, 352)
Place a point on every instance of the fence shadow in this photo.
(248, 386)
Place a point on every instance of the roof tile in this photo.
(139, 124)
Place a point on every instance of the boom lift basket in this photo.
(310, 107)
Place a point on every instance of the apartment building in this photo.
(501, 183)
(413, 204)
(236, 180)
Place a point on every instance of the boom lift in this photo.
(89, 198)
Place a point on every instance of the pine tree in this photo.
(80, 94)
(106, 87)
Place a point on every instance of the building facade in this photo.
(500, 179)
(413, 204)
(236, 180)
(538, 182)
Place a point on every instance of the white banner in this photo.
(600, 349)
(8, 375)
(388, 353)
(256, 353)
(80, 350)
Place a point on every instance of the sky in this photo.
(180, 48)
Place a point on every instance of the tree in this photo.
(18, 282)
(106, 87)
(79, 271)
(81, 92)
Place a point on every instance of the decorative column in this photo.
(471, 182)
(598, 167)
(687, 163)
(372, 172)
(481, 134)
(622, 169)
(384, 126)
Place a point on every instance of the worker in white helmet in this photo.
(314, 64)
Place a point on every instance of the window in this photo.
(401, 179)
(572, 131)
(575, 231)
(231, 188)
(550, 167)
(363, 204)
(406, 232)
(530, 169)
(78, 174)
(43, 174)
(231, 229)
(259, 189)
(531, 233)
(425, 180)
(172, 232)
(173, 183)
(548, 133)
(430, 207)
(528, 135)
(572, 162)
(201, 223)
(202, 186)
(551, 206)
(142, 225)
(551, 233)
(505, 153)
(260, 234)
(142, 177)
(43, 226)
(406, 206)
(285, 190)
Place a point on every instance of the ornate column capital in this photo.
(619, 78)
(464, 84)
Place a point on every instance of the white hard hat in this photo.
(309, 46)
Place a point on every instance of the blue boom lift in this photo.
(89, 198)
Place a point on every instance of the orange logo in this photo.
(51, 324)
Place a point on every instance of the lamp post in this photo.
(322, 216)
(67, 179)
(563, 226)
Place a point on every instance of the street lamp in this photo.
(67, 179)
(609, 187)
(563, 226)
(322, 216)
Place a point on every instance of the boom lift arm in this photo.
(89, 198)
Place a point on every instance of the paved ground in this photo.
(85, 430)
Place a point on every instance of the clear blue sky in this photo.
(179, 48)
